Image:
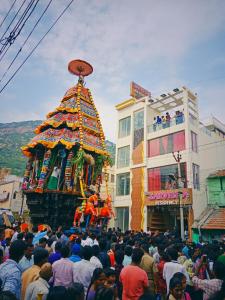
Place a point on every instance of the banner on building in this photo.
(168, 197)
(137, 91)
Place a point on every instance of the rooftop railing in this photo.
(166, 124)
(193, 121)
(206, 130)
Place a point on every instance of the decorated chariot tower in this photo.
(62, 180)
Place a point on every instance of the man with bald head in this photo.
(40, 286)
(32, 274)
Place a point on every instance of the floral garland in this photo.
(102, 137)
(44, 171)
(79, 162)
(106, 178)
(68, 171)
(79, 87)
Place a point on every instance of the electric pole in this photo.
(180, 193)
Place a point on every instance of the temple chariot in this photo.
(63, 175)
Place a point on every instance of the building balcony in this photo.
(167, 124)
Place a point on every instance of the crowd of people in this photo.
(108, 265)
(164, 121)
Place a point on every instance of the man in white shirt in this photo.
(41, 285)
(156, 257)
(172, 267)
(27, 260)
(16, 232)
(148, 231)
(84, 239)
(83, 270)
(94, 240)
(94, 259)
(87, 241)
(63, 269)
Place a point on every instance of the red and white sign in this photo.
(168, 197)
(137, 91)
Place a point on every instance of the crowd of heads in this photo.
(111, 248)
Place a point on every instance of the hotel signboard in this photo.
(168, 197)
(137, 91)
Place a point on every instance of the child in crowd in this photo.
(177, 288)
(76, 292)
(111, 281)
(98, 279)
(104, 293)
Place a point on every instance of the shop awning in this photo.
(216, 220)
(211, 219)
(218, 173)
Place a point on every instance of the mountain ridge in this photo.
(14, 135)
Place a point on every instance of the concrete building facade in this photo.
(108, 187)
(11, 196)
(149, 131)
(211, 223)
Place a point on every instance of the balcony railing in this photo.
(163, 125)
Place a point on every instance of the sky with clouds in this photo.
(158, 44)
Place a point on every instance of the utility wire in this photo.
(12, 36)
(2, 37)
(20, 29)
(32, 51)
(8, 13)
(24, 43)
(12, 20)
(22, 20)
(24, 14)
(3, 53)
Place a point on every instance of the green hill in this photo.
(12, 137)
(17, 134)
(111, 148)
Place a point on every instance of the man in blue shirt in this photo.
(127, 257)
(57, 254)
(75, 257)
(10, 271)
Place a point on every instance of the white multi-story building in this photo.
(109, 188)
(149, 131)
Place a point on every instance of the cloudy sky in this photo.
(156, 43)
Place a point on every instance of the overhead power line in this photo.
(24, 43)
(32, 51)
(6, 47)
(18, 27)
(3, 53)
(10, 39)
(8, 13)
(13, 19)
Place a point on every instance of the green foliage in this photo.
(79, 162)
(99, 163)
(108, 160)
